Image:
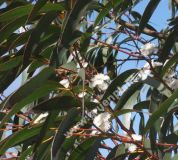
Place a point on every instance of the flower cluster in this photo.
(171, 80)
(102, 121)
(40, 118)
(100, 81)
(148, 49)
(146, 70)
(132, 147)
(65, 83)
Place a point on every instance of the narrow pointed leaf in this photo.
(65, 125)
(161, 110)
(151, 7)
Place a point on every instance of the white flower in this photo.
(143, 74)
(95, 132)
(82, 94)
(95, 100)
(102, 121)
(94, 111)
(72, 56)
(101, 81)
(132, 148)
(136, 137)
(83, 63)
(174, 84)
(23, 29)
(153, 63)
(65, 83)
(92, 114)
(146, 70)
(40, 117)
(97, 27)
(171, 80)
(148, 49)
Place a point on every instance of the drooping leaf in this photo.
(10, 64)
(25, 10)
(116, 152)
(36, 8)
(43, 134)
(17, 101)
(37, 34)
(105, 10)
(161, 110)
(65, 125)
(169, 43)
(70, 31)
(169, 64)
(152, 5)
(127, 94)
(19, 137)
(11, 27)
(27, 152)
(118, 82)
(81, 151)
(62, 103)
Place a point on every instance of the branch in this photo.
(145, 31)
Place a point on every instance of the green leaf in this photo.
(127, 94)
(7, 30)
(66, 146)
(2, 115)
(91, 153)
(6, 78)
(116, 152)
(158, 85)
(81, 151)
(11, 63)
(27, 152)
(81, 73)
(142, 105)
(167, 156)
(151, 7)
(18, 137)
(162, 109)
(169, 64)
(106, 9)
(136, 15)
(37, 34)
(61, 103)
(49, 123)
(15, 13)
(70, 31)
(25, 10)
(30, 86)
(65, 125)
(119, 81)
(171, 39)
(171, 138)
(36, 8)
(37, 87)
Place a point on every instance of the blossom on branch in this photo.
(147, 70)
(148, 49)
(102, 121)
(136, 137)
(65, 83)
(101, 81)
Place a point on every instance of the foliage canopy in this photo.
(98, 81)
